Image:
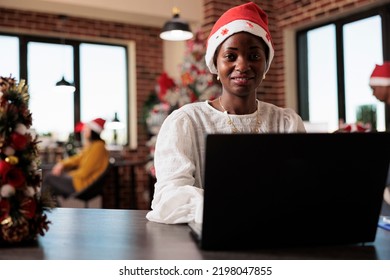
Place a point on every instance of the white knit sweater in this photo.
(179, 153)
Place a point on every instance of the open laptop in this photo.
(282, 190)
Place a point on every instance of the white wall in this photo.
(173, 57)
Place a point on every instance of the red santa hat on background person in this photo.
(244, 18)
(381, 75)
(96, 125)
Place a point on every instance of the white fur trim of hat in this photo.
(381, 75)
(96, 125)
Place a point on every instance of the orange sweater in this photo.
(87, 165)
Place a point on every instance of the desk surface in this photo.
(93, 234)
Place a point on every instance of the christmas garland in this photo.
(22, 206)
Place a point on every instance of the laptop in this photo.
(283, 190)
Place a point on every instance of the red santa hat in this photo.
(244, 18)
(381, 75)
(96, 125)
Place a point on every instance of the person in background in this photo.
(76, 172)
(380, 82)
(239, 51)
(380, 85)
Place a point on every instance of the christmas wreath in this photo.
(22, 207)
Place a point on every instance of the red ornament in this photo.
(14, 177)
(5, 167)
(18, 141)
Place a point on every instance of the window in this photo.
(9, 56)
(52, 112)
(335, 61)
(322, 75)
(103, 84)
(99, 72)
(358, 67)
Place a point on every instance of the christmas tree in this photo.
(22, 207)
(196, 83)
(196, 80)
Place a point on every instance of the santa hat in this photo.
(244, 18)
(96, 125)
(381, 75)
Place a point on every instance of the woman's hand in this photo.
(57, 169)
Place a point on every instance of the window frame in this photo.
(129, 47)
(302, 58)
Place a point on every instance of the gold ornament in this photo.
(12, 160)
(7, 222)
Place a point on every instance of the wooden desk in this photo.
(77, 234)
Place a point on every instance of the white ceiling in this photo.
(141, 12)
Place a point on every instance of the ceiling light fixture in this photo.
(115, 125)
(63, 85)
(176, 29)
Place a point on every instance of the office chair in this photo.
(94, 189)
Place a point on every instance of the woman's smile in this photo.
(241, 80)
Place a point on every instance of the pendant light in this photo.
(176, 29)
(115, 125)
(63, 86)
